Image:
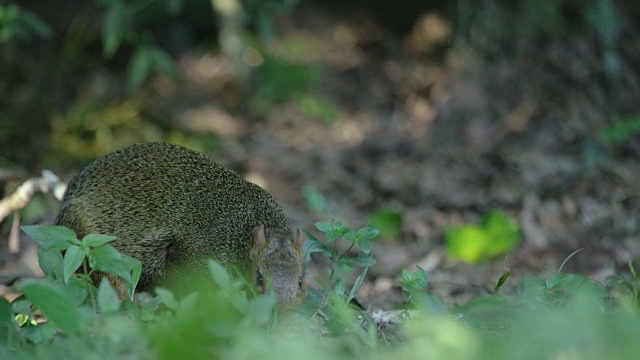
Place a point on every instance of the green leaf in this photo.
(50, 262)
(357, 284)
(162, 62)
(136, 271)
(332, 230)
(35, 24)
(313, 245)
(620, 130)
(219, 274)
(168, 298)
(260, 309)
(94, 240)
(40, 333)
(73, 258)
(368, 233)
(189, 302)
(324, 226)
(108, 300)
(315, 201)
(466, 242)
(114, 26)
(418, 279)
(139, 67)
(388, 220)
(557, 280)
(502, 232)
(365, 260)
(6, 314)
(365, 246)
(502, 279)
(54, 303)
(76, 288)
(350, 236)
(51, 237)
(106, 258)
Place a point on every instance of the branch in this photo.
(47, 183)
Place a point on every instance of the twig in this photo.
(47, 183)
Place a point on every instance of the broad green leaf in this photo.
(76, 288)
(40, 333)
(365, 260)
(368, 233)
(50, 262)
(324, 226)
(114, 26)
(365, 245)
(73, 258)
(36, 24)
(94, 240)
(21, 306)
(189, 302)
(162, 62)
(108, 300)
(54, 303)
(106, 258)
(219, 274)
(350, 236)
(312, 245)
(139, 67)
(388, 220)
(332, 230)
(467, 242)
(339, 288)
(6, 314)
(314, 199)
(51, 237)
(502, 232)
(168, 298)
(260, 309)
(414, 284)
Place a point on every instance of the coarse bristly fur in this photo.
(168, 205)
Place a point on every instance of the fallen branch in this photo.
(47, 183)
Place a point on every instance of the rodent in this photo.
(169, 205)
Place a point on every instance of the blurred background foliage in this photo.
(78, 77)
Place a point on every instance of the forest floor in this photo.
(440, 136)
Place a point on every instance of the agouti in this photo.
(168, 205)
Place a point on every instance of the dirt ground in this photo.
(442, 136)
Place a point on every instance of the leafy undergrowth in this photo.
(564, 316)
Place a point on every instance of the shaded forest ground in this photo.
(440, 133)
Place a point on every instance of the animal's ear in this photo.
(259, 240)
(299, 239)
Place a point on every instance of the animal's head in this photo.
(277, 259)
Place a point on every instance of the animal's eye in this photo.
(259, 280)
(300, 282)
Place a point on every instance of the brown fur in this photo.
(168, 205)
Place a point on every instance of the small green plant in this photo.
(414, 287)
(495, 235)
(343, 263)
(620, 130)
(64, 292)
(92, 253)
